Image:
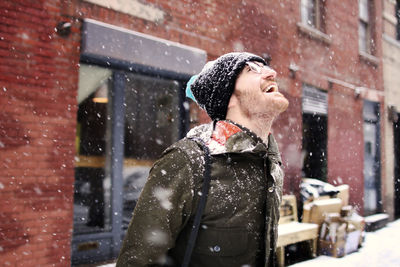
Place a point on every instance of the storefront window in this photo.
(92, 180)
(152, 123)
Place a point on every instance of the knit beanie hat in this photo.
(213, 86)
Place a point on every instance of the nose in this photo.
(268, 73)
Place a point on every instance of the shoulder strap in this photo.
(201, 205)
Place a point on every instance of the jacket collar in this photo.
(229, 137)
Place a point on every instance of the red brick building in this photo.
(80, 96)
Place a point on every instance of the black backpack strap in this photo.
(201, 205)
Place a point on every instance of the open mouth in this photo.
(271, 88)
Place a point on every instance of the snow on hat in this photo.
(213, 86)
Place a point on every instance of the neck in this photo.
(261, 126)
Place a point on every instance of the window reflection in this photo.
(151, 125)
(152, 122)
(92, 190)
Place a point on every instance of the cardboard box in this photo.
(311, 199)
(315, 211)
(352, 241)
(333, 235)
(334, 249)
(357, 223)
(343, 193)
(333, 228)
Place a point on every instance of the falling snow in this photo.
(162, 195)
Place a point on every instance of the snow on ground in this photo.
(380, 249)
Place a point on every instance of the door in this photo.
(372, 197)
(315, 137)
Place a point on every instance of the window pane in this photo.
(362, 37)
(363, 10)
(308, 12)
(152, 116)
(152, 123)
(92, 184)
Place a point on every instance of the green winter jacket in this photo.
(239, 224)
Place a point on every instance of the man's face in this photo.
(257, 91)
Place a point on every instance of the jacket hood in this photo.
(228, 137)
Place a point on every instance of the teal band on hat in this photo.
(188, 91)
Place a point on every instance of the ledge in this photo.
(391, 40)
(314, 33)
(369, 58)
(375, 222)
(390, 18)
(139, 50)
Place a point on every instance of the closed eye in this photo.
(254, 67)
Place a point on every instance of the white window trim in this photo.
(368, 38)
(369, 58)
(314, 33)
(391, 40)
(390, 18)
(317, 23)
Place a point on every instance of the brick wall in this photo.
(39, 79)
(37, 134)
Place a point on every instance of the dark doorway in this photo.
(315, 133)
(314, 146)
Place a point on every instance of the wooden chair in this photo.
(290, 231)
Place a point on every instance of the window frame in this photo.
(96, 242)
(364, 23)
(316, 32)
(368, 23)
(317, 14)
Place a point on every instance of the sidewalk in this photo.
(380, 249)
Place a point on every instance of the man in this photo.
(239, 224)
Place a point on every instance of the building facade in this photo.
(92, 92)
(391, 66)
